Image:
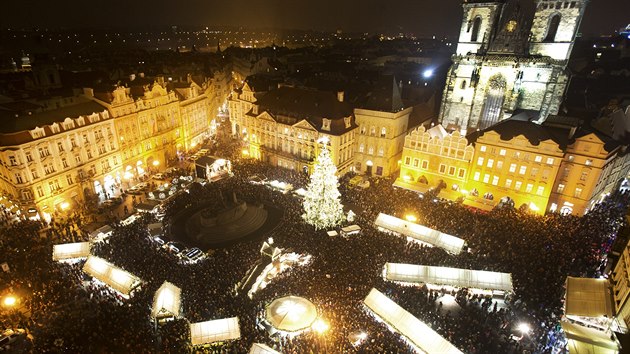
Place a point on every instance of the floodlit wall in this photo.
(214, 331)
(436, 238)
(416, 331)
(167, 301)
(462, 278)
(116, 278)
(68, 251)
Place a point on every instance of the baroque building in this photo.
(506, 61)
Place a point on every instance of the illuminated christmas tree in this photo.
(322, 204)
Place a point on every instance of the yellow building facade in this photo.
(432, 158)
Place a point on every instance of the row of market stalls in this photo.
(493, 283)
(416, 332)
(420, 233)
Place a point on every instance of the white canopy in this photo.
(259, 348)
(167, 301)
(588, 297)
(214, 331)
(291, 313)
(461, 278)
(67, 251)
(584, 340)
(118, 279)
(421, 233)
(416, 331)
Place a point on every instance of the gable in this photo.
(304, 124)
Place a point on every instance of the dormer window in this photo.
(81, 121)
(326, 124)
(68, 124)
(38, 133)
(94, 117)
(348, 122)
(55, 128)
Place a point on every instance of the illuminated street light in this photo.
(427, 73)
(411, 218)
(320, 326)
(9, 301)
(65, 205)
(156, 163)
(523, 328)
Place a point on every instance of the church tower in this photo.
(555, 27)
(479, 24)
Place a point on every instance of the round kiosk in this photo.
(291, 314)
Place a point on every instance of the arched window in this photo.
(474, 37)
(493, 106)
(552, 30)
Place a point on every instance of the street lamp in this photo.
(427, 73)
(411, 218)
(320, 326)
(9, 301)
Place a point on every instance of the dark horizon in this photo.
(373, 16)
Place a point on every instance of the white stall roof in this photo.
(461, 278)
(118, 279)
(259, 348)
(588, 297)
(66, 251)
(214, 331)
(416, 331)
(167, 301)
(584, 340)
(436, 238)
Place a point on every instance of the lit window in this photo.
(499, 165)
(415, 162)
(482, 148)
(480, 161)
(538, 158)
(476, 176)
(495, 180)
(508, 183)
(490, 163)
(518, 185)
(578, 192)
(371, 150)
(560, 188)
(513, 167)
(486, 178)
(540, 190)
(522, 170)
(584, 176)
(502, 152)
(529, 187)
(361, 148)
(549, 161)
(589, 162)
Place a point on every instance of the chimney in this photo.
(340, 96)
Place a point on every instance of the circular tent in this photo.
(291, 313)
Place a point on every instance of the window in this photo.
(381, 151)
(588, 162)
(461, 173)
(508, 183)
(560, 188)
(48, 168)
(85, 139)
(407, 160)
(362, 130)
(60, 146)
(549, 161)
(34, 173)
(451, 171)
(40, 191)
(534, 172)
(18, 178)
(425, 164)
(529, 187)
(584, 176)
(29, 157)
(490, 163)
(513, 167)
(538, 158)
(69, 180)
(361, 148)
(486, 178)
(495, 180)
(89, 153)
(540, 190)
(522, 170)
(578, 192)
(373, 131)
(476, 27)
(518, 185)
(502, 152)
(476, 176)
(371, 150)
(77, 159)
(545, 174)
(416, 162)
(442, 168)
(499, 165)
(383, 132)
(326, 124)
(552, 29)
(480, 161)
(64, 162)
(482, 148)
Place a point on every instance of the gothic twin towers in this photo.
(507, 60)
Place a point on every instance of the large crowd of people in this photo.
(66, 312)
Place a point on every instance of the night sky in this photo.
(422, 17)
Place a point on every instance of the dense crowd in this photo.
(67, 313)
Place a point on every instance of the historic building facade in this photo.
(503, 63)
